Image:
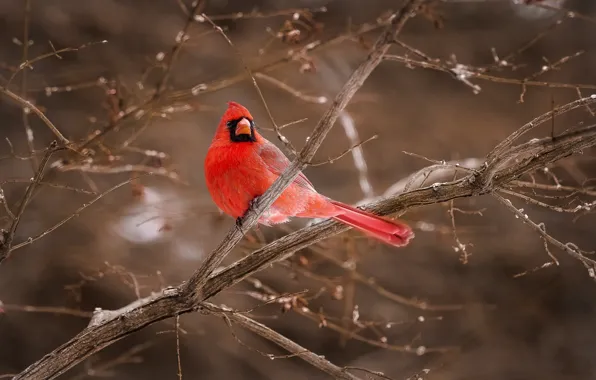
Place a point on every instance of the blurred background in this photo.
(469, 314)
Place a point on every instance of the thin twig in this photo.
(25, 112)
(257, 14)
(71, 216)
(115, 169)
(569, 248)
(540, 186)
(349, 291)
(464, 72)
(46, 310)
(370, 372)
(28, 64)
(460, 246)
(27, 105)
(8, 236)
(179, 359)
(49, 184)
(349, 126)
(530, 200)
(276, 82)
(350, 149)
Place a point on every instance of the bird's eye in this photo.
(229, 124)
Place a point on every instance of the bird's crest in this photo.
(234, 113)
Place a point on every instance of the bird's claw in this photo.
(251, 206)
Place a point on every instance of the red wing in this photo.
(277, 162)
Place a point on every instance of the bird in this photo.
(241, 164)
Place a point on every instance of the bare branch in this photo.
(463, 73)
(317, 361)
(178, 358)
(25, 112)
(350, 149)
(33, 239)
(46, 310)
(533, 201)
(256, 14)
(90, 167)
(278, 83)
(370, 372)
(349, 126)
(540, 186)
(28, 63)
(49, 184)
(7, 237)
(28, 106)
(569, 248)
(460, 246)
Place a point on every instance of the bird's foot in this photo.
(251, 206)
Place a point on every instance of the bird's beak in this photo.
(243, 127)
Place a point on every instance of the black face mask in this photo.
(233, 124)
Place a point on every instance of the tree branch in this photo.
(308, 356)
(25, 104)
(569, 248)
(7, 237)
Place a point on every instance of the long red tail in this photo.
(389, 231)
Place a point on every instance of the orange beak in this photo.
(243, 127)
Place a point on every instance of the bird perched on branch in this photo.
(241, 165)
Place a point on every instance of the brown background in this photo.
(542, 324)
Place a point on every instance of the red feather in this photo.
(241, 168)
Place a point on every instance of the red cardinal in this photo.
(241, 165)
